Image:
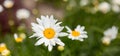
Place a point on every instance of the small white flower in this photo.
(2, 47)
(104, 7)
(116, 2)
(84, 2)
(116, 8)
(8, 3)
(47, 31)
(5, 52)
(78, 33)
(1, 8)
(19, 38)
(110, 34)
(22, 14)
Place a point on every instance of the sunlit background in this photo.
(98, 16)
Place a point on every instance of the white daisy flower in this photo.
(5, 52)
(116, 2)
(78, 33)
(2, 47)
(116, 8)
(19, 38)
(104, 7)
(8, 3)
(47, 31)
(22, 14)
(84, 2)
(1, 8)
(110, 34)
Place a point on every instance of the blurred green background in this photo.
(71, 13)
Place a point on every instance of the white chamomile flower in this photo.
(84, 2)
(47, 31)
(2, 47)
(110, 34)
(104, 7)
(116, 2)
(8, 3)
(1, 8)
(78, 33)
(22, 14)
(5, 52)
(19, 38)
(116, 8)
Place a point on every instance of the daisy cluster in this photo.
(48, 30)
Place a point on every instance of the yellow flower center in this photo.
(2, 48)
(75, 33)
(19, 39)
(49, 33)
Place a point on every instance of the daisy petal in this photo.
(15, 36)
(39, 42)
(69, 30)
(58, 23)
(81, 39)
(51, 17)
(52, 42)
(59, 42)
(50, 47)
(63, 34)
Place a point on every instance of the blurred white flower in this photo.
(8, 3)
(2, 47)
(104, 7)
(47, 31)
(19, 38)
(22, 14)
(116, 8)
(1, 8)
(78, 33)
(116, 2)
(5, 52)
(84, 2)
(109, 35)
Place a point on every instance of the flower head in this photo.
(19, 38)
(116, 8)
(78, 33)
(47, 31)
(110, 34)
(8, 3)
(116, 2)
(6, 52)
(3, 50)
(1, 8)
(22, 14)
(84, 2)
(104, 7)
(2, 47)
